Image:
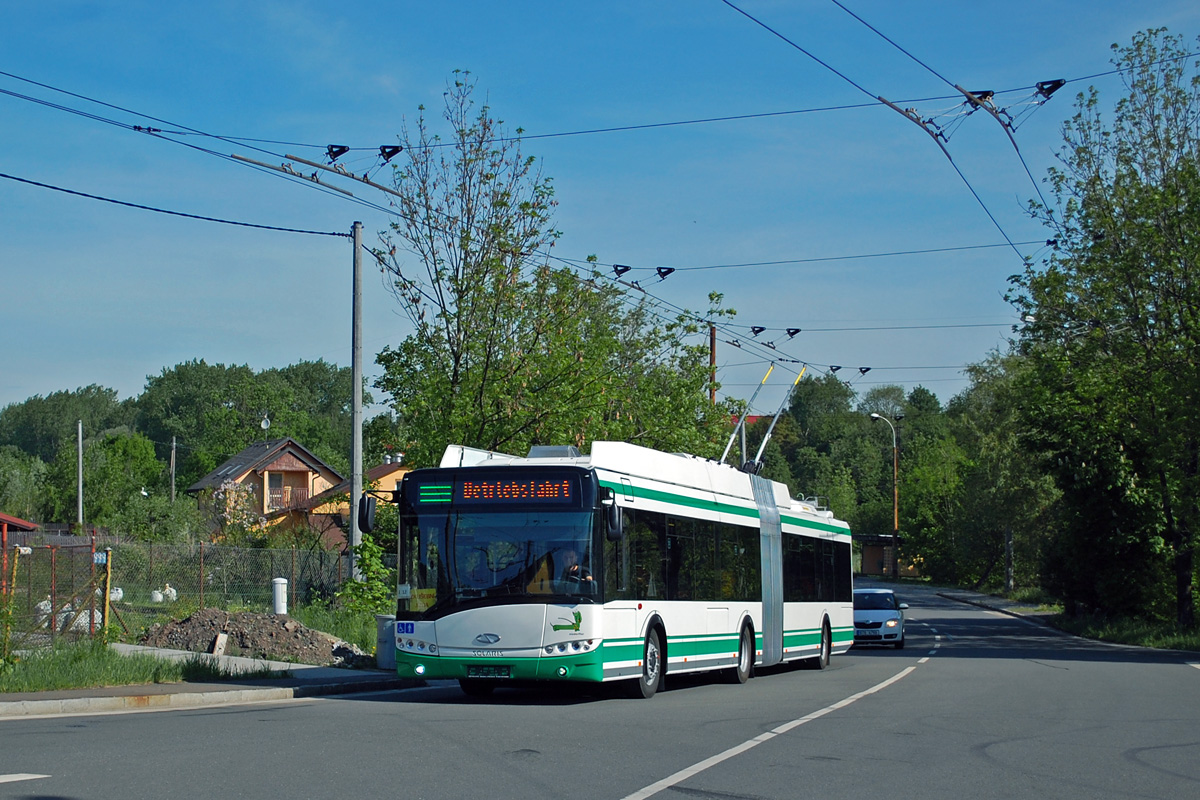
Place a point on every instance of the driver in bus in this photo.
(572, 569)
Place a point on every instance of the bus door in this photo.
(771, 535)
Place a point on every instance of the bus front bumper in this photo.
(569, 667)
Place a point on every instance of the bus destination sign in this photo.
(496, 488)
(516, 490)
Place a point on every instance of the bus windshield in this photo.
(468, 556)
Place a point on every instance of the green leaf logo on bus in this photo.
(570, 626)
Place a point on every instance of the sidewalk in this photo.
(1003, 605)
(301, 680)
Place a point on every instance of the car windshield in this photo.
(875, 601)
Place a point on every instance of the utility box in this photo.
(279, 595)
(385, 641)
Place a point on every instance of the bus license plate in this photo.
(489, 671)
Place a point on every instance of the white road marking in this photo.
(1193, 664)
(923, 660)
(20, 776)
(701, 766)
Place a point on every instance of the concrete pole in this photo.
(79, 477)
(356, 444)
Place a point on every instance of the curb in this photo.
(1017, 614)
(949, 595)
(182, 700)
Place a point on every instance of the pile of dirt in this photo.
(267, 636)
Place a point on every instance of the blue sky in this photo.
(98, 293)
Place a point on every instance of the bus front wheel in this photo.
(652, 664)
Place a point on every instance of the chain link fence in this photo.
(54, 586)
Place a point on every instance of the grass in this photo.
(85, 665)
(355, 628)
(1161, 635)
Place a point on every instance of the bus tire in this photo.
(822, 659)
(745, 657)
(475, 687)
(652, 666)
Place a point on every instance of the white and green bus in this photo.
(626, 564)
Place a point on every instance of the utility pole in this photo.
(712, 364)
(356, 413)
(79, 477)
(895, 493)
(1008, 559)
(172, 470)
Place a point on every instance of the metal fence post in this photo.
(108, 553)
(53, 593)
(202, 574)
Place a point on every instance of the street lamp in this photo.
(895, 494)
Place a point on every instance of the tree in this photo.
(321, 417)
(154, 518)
(1004, 489)
(215, 411)
(1114, 332)
(507, 349)
(21, 483)
(38, 425)
(116, 469)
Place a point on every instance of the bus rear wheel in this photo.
(652, 665)
(745, 658)
(822, 659)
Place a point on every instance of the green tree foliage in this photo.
(1004, 489)
(320, 415)
(154, 518)
(214, 411)
(1113, 388)
(21, 480)
(38, 425)
(116, 468)
(508, 350)
(374, 592)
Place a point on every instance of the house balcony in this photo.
(288, 497)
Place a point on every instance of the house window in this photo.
(275, 493)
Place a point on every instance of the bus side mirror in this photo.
(366, 513)
(612, 515)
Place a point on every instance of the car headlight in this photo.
(891, 623)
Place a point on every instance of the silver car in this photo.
(878, 617)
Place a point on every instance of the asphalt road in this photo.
(979, 705)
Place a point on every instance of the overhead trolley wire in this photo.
(817, 259)
(583, 132)
(972, 99)
(903, 113)
(167, 211)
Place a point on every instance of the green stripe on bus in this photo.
(672, 498)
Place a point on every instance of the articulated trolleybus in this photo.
(627, 564)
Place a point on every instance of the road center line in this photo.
(20, 776)
(712, 761)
